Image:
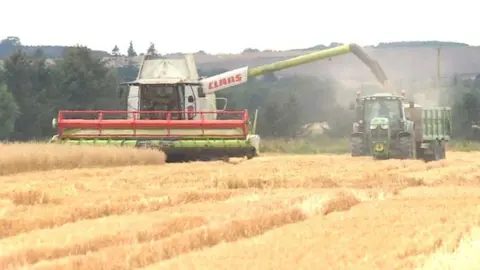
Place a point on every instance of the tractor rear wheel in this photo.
(358, 147)
(406, 147)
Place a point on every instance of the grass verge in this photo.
(327, 145)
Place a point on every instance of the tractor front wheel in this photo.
(358, 147)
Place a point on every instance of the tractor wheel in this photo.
(252, 153)
(358, 147)
(406, 147)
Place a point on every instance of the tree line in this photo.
(131, 52)
(32, 90)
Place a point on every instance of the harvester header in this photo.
(140, 126)
(181, 140)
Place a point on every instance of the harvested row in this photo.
(213, 227)
(27, 157)
(41, 217)
(401, 233)
(465, 256)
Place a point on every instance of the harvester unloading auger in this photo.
(172, 109)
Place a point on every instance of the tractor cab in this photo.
(384, 106)
(383, 128)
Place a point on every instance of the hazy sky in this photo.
(230, 26)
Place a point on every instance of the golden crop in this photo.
(271, 212)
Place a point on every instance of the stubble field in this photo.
(272, 212)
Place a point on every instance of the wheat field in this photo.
(271, 212)
(25, 157)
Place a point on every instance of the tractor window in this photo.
(389, 108)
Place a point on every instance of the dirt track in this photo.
(273, 212)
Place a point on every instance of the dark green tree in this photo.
(282, 116)
(86, 81)
(48, 96)
(9, 45)
(115, 51)
(250, 50)
(290, 119)
(269, 125)
(9, 113)
(12, 40)
(151, 50)
(21, 79)
(130, 51)
(127, 73)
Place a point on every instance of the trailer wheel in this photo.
(358, 147)
(440, 152)
(443, 151)
(437, 151)
(406, 146)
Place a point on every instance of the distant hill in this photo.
(421, 44)
(398, 44)
(403, 61)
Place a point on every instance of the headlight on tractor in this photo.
(380, 133)
(379, 147)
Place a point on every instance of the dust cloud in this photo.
(426, 100)
(403, 68)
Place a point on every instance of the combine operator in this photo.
(160, 98)
(384, 110)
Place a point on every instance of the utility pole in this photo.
(438, 68)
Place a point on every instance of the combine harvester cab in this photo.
(168, 111)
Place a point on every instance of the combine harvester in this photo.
(389, 127)
(172, 109)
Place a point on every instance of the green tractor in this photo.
(388, 127)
